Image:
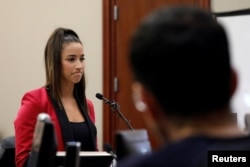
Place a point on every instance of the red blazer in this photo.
(35, 102)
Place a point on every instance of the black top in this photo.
(189, 152)
(66, 127)
(81, 134)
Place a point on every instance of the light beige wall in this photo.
(25, 27)
(228, 5)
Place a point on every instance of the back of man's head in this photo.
(181, 55)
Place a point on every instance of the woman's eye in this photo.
(82, 59)
(71, 59)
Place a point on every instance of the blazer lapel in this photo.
(91, 126)
(63, 121)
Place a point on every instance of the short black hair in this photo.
(181, 54)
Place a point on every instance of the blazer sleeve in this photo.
(92, 116)
(91, 110)
(24, 125)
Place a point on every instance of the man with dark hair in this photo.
(183, 83)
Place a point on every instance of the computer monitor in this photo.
(44, 144)
(130, 142)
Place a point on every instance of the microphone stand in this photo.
(116, 107)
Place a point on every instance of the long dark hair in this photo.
(52, 53)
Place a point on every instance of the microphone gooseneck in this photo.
(115, 107)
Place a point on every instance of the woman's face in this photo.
(72, 63)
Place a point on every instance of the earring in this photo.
(140, 106)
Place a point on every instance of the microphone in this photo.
(101, 97)
(115, 107)
(109, 149)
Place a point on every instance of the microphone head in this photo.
(107, 147)
(110, 150)
(99, 96)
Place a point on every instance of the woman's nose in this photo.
(79, 64)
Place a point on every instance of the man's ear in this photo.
(144, 100)
(149, 108)
(234, 81)
(141, 105)
(137, 92)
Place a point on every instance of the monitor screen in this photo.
(44, 144)
(129, 142)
